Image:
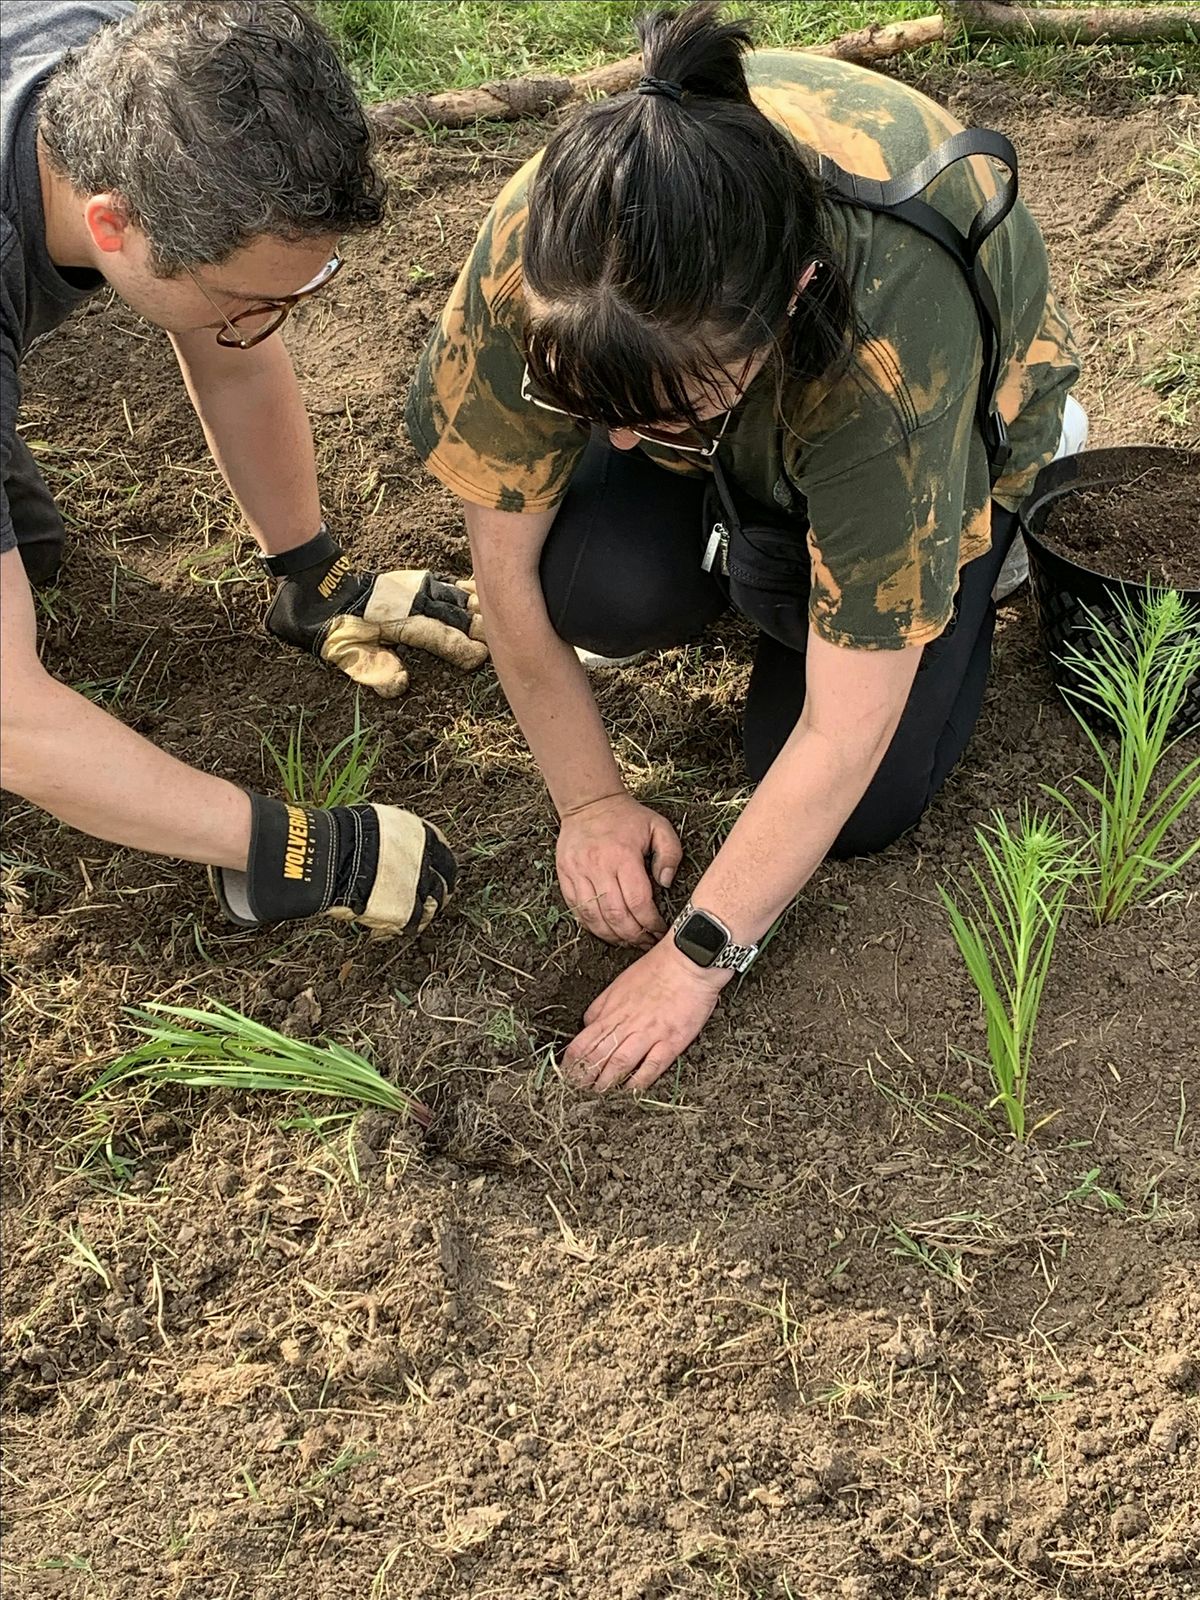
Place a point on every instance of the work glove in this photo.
(379, 866)
(350, 619)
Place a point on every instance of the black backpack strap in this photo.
(898, 197)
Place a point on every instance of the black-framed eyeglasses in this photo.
(276, 311)
(692, 441)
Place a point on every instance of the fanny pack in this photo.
(760, 557)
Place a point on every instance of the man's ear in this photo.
(107, 222)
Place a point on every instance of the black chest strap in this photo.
(898, 197)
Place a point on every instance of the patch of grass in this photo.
(338, 777)
(1179, 167)
(225, 1050)
(1074, 70)
(1088, 1187)
(14, 870)
(789, 1331)
(91, 486)
(1175, 376)
(935, 1258)
(126, 689)
(494, 907)
(347, 1458)
(1136, 673)
(55, 605)
(85, 1258)
(413, 47)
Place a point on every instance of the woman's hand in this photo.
(643, 1021)
(603, 851)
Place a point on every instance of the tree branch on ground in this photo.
(1079, 24)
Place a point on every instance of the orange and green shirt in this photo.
(885, 454)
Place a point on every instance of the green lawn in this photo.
(427, 45)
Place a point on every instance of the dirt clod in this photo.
(1168, 1429)
(1178, 1369)
(1128, 1522)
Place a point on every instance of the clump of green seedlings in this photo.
(1005, 932)
(337, 777)
(224, 1049)
(1135, 674)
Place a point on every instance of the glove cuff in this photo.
(321, 550)
(302, 861)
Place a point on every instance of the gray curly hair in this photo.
(215, 124)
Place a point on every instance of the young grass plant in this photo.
(338, 777)
(223, 1049)
(1005, 933)
(1136, 674)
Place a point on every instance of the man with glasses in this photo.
(204, 162)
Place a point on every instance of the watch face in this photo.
(702, 938)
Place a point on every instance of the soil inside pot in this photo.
(1146, 526)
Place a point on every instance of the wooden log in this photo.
(533, 97)
(1080, 24)
(880, 40)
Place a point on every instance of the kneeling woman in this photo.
(671, 285)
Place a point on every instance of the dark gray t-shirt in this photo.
(35, 295)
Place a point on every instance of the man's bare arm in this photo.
(66, 755)
(250, 407)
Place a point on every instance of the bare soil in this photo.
(1147, 529)
(805, 1324)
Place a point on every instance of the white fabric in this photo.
(1071, 441)
(594, 663)
(1074, 435)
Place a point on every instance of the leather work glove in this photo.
(350, 619)
(381, 867)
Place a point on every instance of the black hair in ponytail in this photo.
(667, 233)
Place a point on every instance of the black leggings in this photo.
(36, 519)
(621, 573)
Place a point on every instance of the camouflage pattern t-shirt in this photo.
(886, 454)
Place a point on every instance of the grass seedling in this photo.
(223, 1049)
(1135, 672)
(338, 777)
(1087, 1187)
(1006, 937)
(83, 1256)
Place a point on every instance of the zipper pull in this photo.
(718, 544)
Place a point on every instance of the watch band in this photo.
(731, 957)
(322, 547)
(738, 958)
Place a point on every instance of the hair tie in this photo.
(664, 86)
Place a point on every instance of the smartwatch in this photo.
(706, 940)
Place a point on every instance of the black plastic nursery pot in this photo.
(1068, 595)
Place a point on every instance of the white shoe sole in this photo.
(1072, 440)
(594, 663)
